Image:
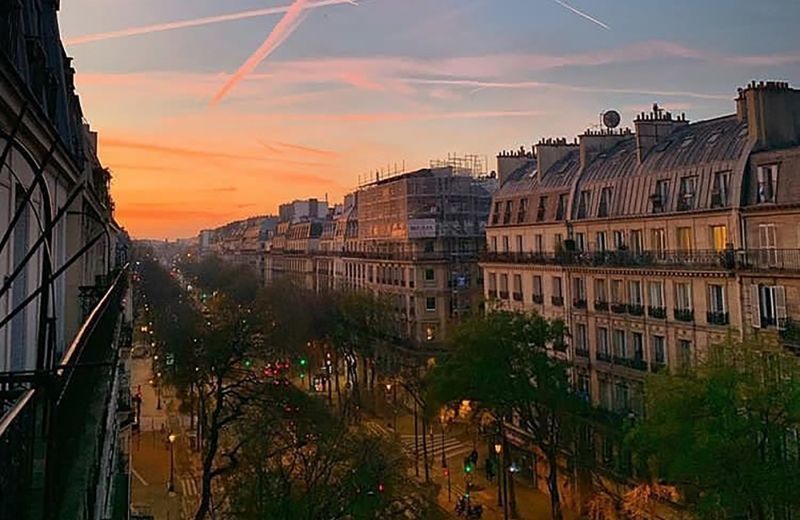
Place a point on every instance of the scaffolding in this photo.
(469, 165)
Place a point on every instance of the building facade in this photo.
(62, 259)
(653, 244)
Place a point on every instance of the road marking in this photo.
(139, 477)
(189, 486)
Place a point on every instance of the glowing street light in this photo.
(171, 488)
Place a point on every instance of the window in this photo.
(659, 350)
(620, 347)
(719, 237)
(660, 198)
(430, 303)
(658, 240)
(505, 244)
(581, 337)
(494, 244)
(637, 244)
(637, 345)
(496, 213)
(716, 298)
(584, 387)
(562, 207)
(600, 241)
(767, 183)
(616, 291)
(523, 211)
(584, 200)
(683, 296)
(519, 243)
(542, 209)
(656, 290)
(493, 285)
(509, 210)
(619, 239)
(719, 189)
(767, 244)
(688, 191)
(684, 353)
(768, 305)
(538, 241)
(579, 288)
(605, 202)
(517, 287)
(557, 289)
(602, 341)
(558, 241)
(504, 286)
(622, 397)
(685, 244)
(430, 332)
(537, 286)
(600, 294)
(430, 275)
(580, 241)
(635, 292)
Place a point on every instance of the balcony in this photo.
(492, 294)
(619, 308)
(699, 259)
(635, 309)
(558, 301)
(538, 298)
(600, 305)
(579, 303)
(62, 418)
(659, 313)
(560, 346)
(517, 296)
(636, 363)
(684, 314)
(717, 318)
(582, 352)
(657, 367)
(768, 260)
(503, 295)
(603, 356)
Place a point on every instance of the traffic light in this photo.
(303, 362)
(248, 362)
(468, 466)
(381, 487)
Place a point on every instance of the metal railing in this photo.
(659, 313)
(76, 393)
(717, 318)
(683, 314)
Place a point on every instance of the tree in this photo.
(726, 432)
(502, 362)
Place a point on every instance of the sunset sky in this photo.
(346, 89)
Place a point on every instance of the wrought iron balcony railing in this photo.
(619, 308)
(603, 356)
(717, 318)
(492, 293)
(636, 363)
(684, 314)
(558, 301)
(659, 313)
(600, 305)
(538, 298)
(503, 295)
(582, 352)
(579, 303)
(635, 309)
(517, 296)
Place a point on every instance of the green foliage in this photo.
(726, 432)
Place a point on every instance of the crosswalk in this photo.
(376, 429)
(452, 446)
(189, 487)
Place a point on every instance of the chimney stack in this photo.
(551, 150)
(654, 127)
(772, 112)
(595, 142)
(509, 161)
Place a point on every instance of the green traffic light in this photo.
(302, 362)
(248, 363)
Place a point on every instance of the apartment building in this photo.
(63, 286)
(413, 238)
(654, 243)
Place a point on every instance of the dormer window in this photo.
(562, 206)
(583, 203)
(719, 190)
(767, 182)
(496, 213)
(540, 212)
(605, 202)
(688, 191)
(509, 210)
(686, 143)
(660, 197)
(522, 214)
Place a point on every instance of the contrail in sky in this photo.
(294, 16)
(582, 14)
(195, 22)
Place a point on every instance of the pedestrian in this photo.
(474, 456)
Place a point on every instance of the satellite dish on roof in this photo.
(611, 118)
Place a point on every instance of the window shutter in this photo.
(755, 306)
(780, 306)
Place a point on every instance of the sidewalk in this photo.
(151, 453)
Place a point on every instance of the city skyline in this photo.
(456, 76)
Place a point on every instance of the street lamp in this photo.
(498, 449)
(158, 390)
(171, 488)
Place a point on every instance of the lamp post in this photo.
(158, 391)
(498, 449)
(171, 488)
